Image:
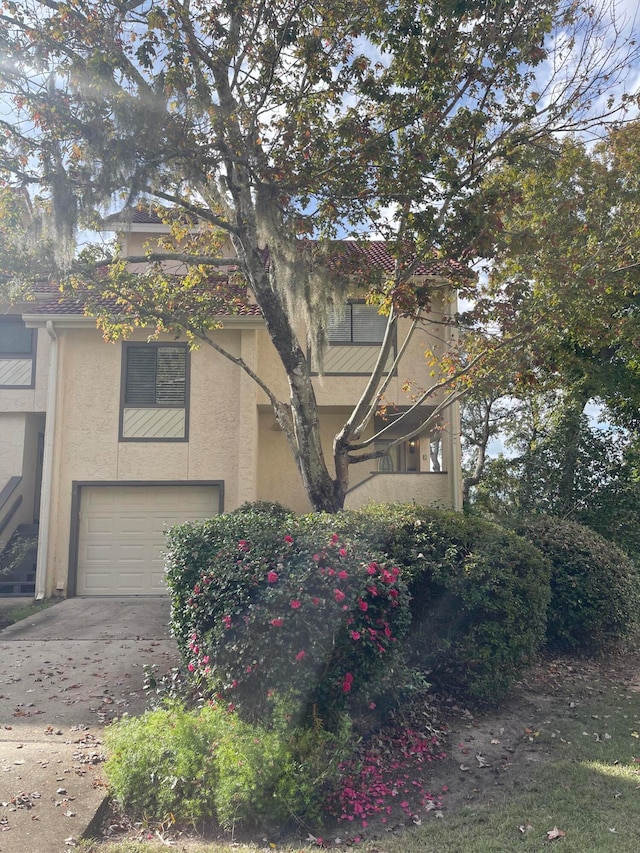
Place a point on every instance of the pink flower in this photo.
(355, 635)
(227, 622)
(363, 605)
(272, 577)
(190, 667)
(343, 575)
(196, 589)
(301, 655)
(288, 539)
(338, 594)
(342, 552)
(295, 604)
(277, 623)
(372, 706)
(243, 545)
(205, 659)
(372, 568)
(316, 601)
(334, 538)
(347, 682)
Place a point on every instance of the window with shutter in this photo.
(356, 323)
(17, 353)
(355, 332)
(154, 392)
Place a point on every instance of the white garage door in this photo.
(121, 534)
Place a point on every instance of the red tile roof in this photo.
(75, 305)
(373, 252)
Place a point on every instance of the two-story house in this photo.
(103, 445)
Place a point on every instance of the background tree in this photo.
(567, 263)
(272, 121)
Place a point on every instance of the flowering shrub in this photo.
(242, 592)
(296, 612)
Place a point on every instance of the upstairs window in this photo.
(356, 323)
(17, 352)
(154, 392)
(15, 339)
(156, 376)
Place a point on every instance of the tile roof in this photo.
(75, 305)
(136, 215)
(374, 252)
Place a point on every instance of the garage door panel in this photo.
(98, 553)
(97, 524)
(123, 527)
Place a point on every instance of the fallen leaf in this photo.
(555, 833)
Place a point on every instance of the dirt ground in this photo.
(485, 753)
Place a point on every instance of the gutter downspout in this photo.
(456, 449)
(47, 466)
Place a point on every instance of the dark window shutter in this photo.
(141, 376)
(368, 325)
(15, 338)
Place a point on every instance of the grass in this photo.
(577, 770)
(11, 615)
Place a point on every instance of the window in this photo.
(357, 323)
(17, 351)
(154, 394)
(355, 333)
(156, 376)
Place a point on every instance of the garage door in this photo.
(121, 534)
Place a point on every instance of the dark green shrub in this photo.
(289, 609)
(479, 593)
(478, 610)
(207, 764)
(595, 592)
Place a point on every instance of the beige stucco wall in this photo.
(12, 430)
(432, 334)
(278, 477)
(231, 428)
(87, 446)
(422, 489)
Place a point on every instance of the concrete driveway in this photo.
(64, 674)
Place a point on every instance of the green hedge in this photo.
(595, 591)
(479, 594)
(478, 604)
